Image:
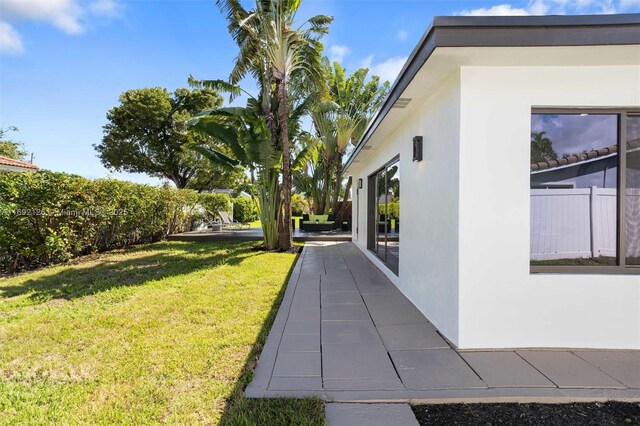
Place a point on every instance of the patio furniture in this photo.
(228, 223)
(317, 223)
(384, 224)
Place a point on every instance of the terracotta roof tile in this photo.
(577, 158)
(6, 161)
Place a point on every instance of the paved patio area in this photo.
(345, 333)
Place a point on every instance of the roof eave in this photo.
(504, 31)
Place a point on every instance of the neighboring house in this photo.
(498, 250)
(10, 165)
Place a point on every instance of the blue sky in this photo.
(63, 63)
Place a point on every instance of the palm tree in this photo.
(307, 179)
(324, 115)
(342, 120)
(541, 148)
(272, 51)
(244, 132)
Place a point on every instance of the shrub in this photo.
(244, 210)
(392, 209)
(214, 203)
(299, 205)
(48, 217)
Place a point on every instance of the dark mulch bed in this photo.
(601, 414)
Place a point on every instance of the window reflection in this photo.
(387, 224)
(574, 181)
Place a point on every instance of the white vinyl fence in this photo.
(573, 223)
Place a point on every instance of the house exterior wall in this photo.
(7, 168)
(500, 303)
(429, 204)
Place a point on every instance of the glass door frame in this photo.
(373, 199)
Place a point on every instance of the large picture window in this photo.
(585, 191)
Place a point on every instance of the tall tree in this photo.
(146, 133)
(341, 121)
(272, 49)
(244, 132)
(542, 148)
(10, 148)
(307, 180)
(357, 99)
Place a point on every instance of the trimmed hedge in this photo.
(244, 210)
(299, 205)
(48, 217)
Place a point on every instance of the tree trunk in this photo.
(336, 193)
(345, 199)
(286, 237)
(325, 187)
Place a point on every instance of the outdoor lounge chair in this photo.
(228, 223)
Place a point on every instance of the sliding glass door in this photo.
(384, 217)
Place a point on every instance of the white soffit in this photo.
(445, 61)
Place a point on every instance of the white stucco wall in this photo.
(500, 303)
(429, 203)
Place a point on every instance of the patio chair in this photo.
(228, 223)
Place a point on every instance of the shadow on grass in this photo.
(164, 260)
(240, 410)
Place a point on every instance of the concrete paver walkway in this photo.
(344, 332)
(370, 415)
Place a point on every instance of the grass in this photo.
(592, 261)
(163, 333)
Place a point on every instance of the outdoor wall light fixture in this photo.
(359, 183)
(417, 148)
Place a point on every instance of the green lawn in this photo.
(592, 261)
(163, 333)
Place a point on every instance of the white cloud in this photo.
(366, 62)
(69, 16)
(625, 4)
(499, 10)
(402, 35)
(387, 70)
(63, 14)
(107, 8)
(554, 7)
(338, 52)
(10, 41)
(538, 7)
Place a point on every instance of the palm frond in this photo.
(216, 157)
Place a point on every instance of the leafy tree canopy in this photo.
(10, 148)
(542, 148)
(147, 133)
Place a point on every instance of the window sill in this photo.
(586, 270)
